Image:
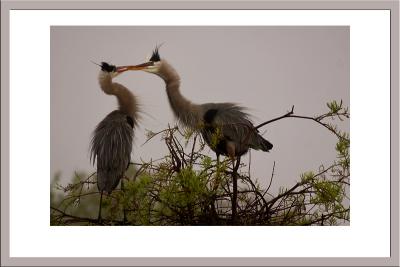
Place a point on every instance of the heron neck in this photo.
(126, 100)
(186, 111)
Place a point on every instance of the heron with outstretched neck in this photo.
(111, 144)
(225, 127)
(232, 125)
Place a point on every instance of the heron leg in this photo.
(123, 203)
(231, 149)
(101, 199)
(235, 190)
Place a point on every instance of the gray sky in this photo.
(267, 69)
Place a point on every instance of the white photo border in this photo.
(30, 103)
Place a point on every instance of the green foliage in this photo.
(216, 137)
(327, 193)
(307, 177)
(343, 149)
(187, 187)
(337, 110)
(334, 106)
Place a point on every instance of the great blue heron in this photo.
(226, 122)
(111, 144)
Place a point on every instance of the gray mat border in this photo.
(393, 6)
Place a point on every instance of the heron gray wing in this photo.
(111, 147)
(233, 119)
(236, 126)
(225, 123)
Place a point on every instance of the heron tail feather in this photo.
(261, 144)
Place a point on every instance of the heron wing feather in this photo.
(236, 126)
(111, 148)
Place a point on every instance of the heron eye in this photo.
(107, 67)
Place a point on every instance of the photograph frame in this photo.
(393, 6)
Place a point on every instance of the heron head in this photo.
(111, 69)
(154, 62)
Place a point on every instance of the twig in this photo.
(191, 154)
(279, 118)
(155, 134)
(79, 219)
(270, 181)
(234, 196)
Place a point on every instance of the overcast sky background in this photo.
(267, 69)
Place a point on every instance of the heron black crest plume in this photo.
(95, 63)
(108, 67)
(155, 56)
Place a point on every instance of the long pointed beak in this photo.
(134, 67)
